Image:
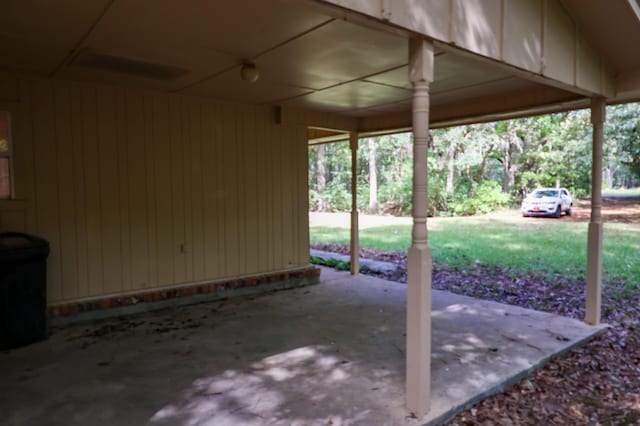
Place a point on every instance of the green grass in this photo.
(548, 245)
(630, 192)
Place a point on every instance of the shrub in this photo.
(484, 198)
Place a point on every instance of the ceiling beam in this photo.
(521, 103)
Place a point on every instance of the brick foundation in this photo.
(201, 292)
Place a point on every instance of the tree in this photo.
(623, 127)
(373, 177)
(473, 166)
(321, 182)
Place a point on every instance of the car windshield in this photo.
(544, 193)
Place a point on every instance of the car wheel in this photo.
(569, 211)
(558, 212)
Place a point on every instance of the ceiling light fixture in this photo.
(249, 72)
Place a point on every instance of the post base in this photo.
(418, 380)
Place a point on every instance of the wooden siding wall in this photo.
(537, 36)
(137, 190)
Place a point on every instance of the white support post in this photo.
(355, 243)
(418, 374)
(594, 247)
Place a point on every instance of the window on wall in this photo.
(5, 155)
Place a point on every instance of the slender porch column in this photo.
(418, 379)
(594, 247)
(355, 243)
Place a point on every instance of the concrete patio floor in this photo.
(329, 354)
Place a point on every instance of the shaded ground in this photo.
(328, 354)
(598, 383)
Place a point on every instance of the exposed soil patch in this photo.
(619, 209)
(614, 209)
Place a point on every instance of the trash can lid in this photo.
(17, 245)
(14, 241)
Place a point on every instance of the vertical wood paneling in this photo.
(522, 37)
(46, 182)
(164, 193)
(278, 171)
(303, 195)
(13, 220)
(241, 188)
(137, 190)
(66, 191)
(80, 205)
(92, 189)
(123, 174)
(178, 189)
(151, 189)
(269, 192)
(109, 190)
(231, 210)
(262, 239)
(210, 142)
(285, 189)
(195, 134)
(218, 178)
(250, 181)
(187, 191)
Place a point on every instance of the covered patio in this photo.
(332, 353)
(162, 149)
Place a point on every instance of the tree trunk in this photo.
(480, 172)
(321, 181)
(608, 178)
(451, 167)
(373, 178)
(506, 164)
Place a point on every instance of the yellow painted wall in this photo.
(137, 190)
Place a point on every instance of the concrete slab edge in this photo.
(501, 387)
(139, 308)
(374, 265)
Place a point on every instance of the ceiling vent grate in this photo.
(134, 67)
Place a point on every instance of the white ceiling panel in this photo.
(305, 59)
(496, 88)
(230, 86)
(198, 63)
(333, 54)
(238, 28)
(398, 77)
(350, 96)
(452, 72)
(383, 109)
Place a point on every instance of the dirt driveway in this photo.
(618, 209)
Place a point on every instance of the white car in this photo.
(547, 202)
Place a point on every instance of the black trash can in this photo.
(23, 289)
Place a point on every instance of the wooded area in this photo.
(478, 168)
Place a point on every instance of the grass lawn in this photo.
(550, 245)
(629, 192)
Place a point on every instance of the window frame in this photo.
(5, 109)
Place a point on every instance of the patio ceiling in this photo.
(306, 59)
